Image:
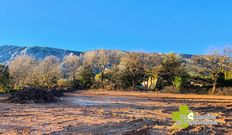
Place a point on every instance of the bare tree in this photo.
(101, 63)
(100, 60)
(48, 72)
(70, 66)
(21, 69)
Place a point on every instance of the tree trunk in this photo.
(74, 80)
(146, 82)
(133, 84)
(147, 88)
(214, 86)
(151, 78)
(102, 79)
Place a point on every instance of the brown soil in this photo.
(110, 112)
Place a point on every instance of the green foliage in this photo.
(214, 65)
(116, 78)
(177, 82)
(98, 77)
(4, 79)
(85, 76)
(169, 69)
(228, 75)
(64, 83)
(97, 81)
(134, 72)
(170, 72)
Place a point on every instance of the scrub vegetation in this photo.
(115, 70)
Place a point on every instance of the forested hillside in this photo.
(108, 69)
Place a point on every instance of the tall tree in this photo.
(151, 61)
(213, 65)
(85, 76)
(100, 60)
(133, 67)
(171, 66)
(4, 78)
(102, 63)
(70, 67)
(21, 69)
(48, 71)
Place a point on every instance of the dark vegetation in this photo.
(33, 79)
(35, 95)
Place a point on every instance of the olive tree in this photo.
(133, 69)
(213, 65)
(169, 70)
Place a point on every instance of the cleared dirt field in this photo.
(110, 112)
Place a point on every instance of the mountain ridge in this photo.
(9, 52)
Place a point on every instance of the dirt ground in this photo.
(111, 112)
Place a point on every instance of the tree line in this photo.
(104, 69)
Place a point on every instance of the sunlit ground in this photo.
(113, 112)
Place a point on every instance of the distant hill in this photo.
(9, 52)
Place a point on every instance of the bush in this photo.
(116, 79)
(5, 89)
(4, 79)
(85, 76)
(224, 91)
(63, 83)
(34, 95)
(57, 92)
(177, 82)
(171, 89)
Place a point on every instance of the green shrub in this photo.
(177, 82)
(171, 66)
(170, 89)
(64, 83)
(85, 76)
(4, 79)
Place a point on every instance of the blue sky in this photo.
(182, 26)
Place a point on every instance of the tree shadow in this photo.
(125, 127)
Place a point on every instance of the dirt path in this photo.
(91, 112)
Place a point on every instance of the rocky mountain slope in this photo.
(9, 52)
